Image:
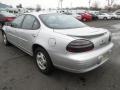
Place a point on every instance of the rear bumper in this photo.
(82, 62)
(89, 19)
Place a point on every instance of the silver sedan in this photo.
(57, 40)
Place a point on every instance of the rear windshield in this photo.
(6, 14)
(60, 21)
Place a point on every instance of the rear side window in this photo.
(118, 13)
(28, 22)
(18, 21)
(36, 24)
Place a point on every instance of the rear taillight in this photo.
(9, 18)
(80, 45)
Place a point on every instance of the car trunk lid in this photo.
(82, 32)
(99, 37)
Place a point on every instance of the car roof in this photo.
(41, 12)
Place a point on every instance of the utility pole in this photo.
(89, 3)
(71, 4)
(61, 2)
(108, 2)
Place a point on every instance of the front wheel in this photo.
(5, 39)
(43, 61)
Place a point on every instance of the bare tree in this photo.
(110, 2)
(95, 5)
(116, 6)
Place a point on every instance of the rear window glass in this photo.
(59, 21)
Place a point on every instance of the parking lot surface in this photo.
(19, 72)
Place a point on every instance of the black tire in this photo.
(105, 18)
(5, 40)
(48, 63)
(113, 18)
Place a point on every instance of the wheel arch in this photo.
(2, 31)
(35, 46)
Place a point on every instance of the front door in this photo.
(13, 28)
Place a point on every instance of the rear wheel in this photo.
(105, 18)
(113, 18)
(43, 61)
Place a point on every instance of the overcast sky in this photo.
(54, 3)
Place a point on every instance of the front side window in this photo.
(60, 21)
(18, 21)
(28, 22)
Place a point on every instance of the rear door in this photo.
(29, 32)
(12, 30)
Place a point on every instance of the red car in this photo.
(5, 17)
(85, 17)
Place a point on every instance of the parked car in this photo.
(5, 17)
(94, 17)
(57, 40)
(113, 16)
(103, 16)
(77, 16)
(118, 15)
(86, 16)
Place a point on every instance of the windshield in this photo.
(59, 21)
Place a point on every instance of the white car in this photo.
(113, 16)
(58, 40)
(118, 15)
(104, 16)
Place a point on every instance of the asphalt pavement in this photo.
(19, 72)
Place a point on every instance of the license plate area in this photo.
(103, 57)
